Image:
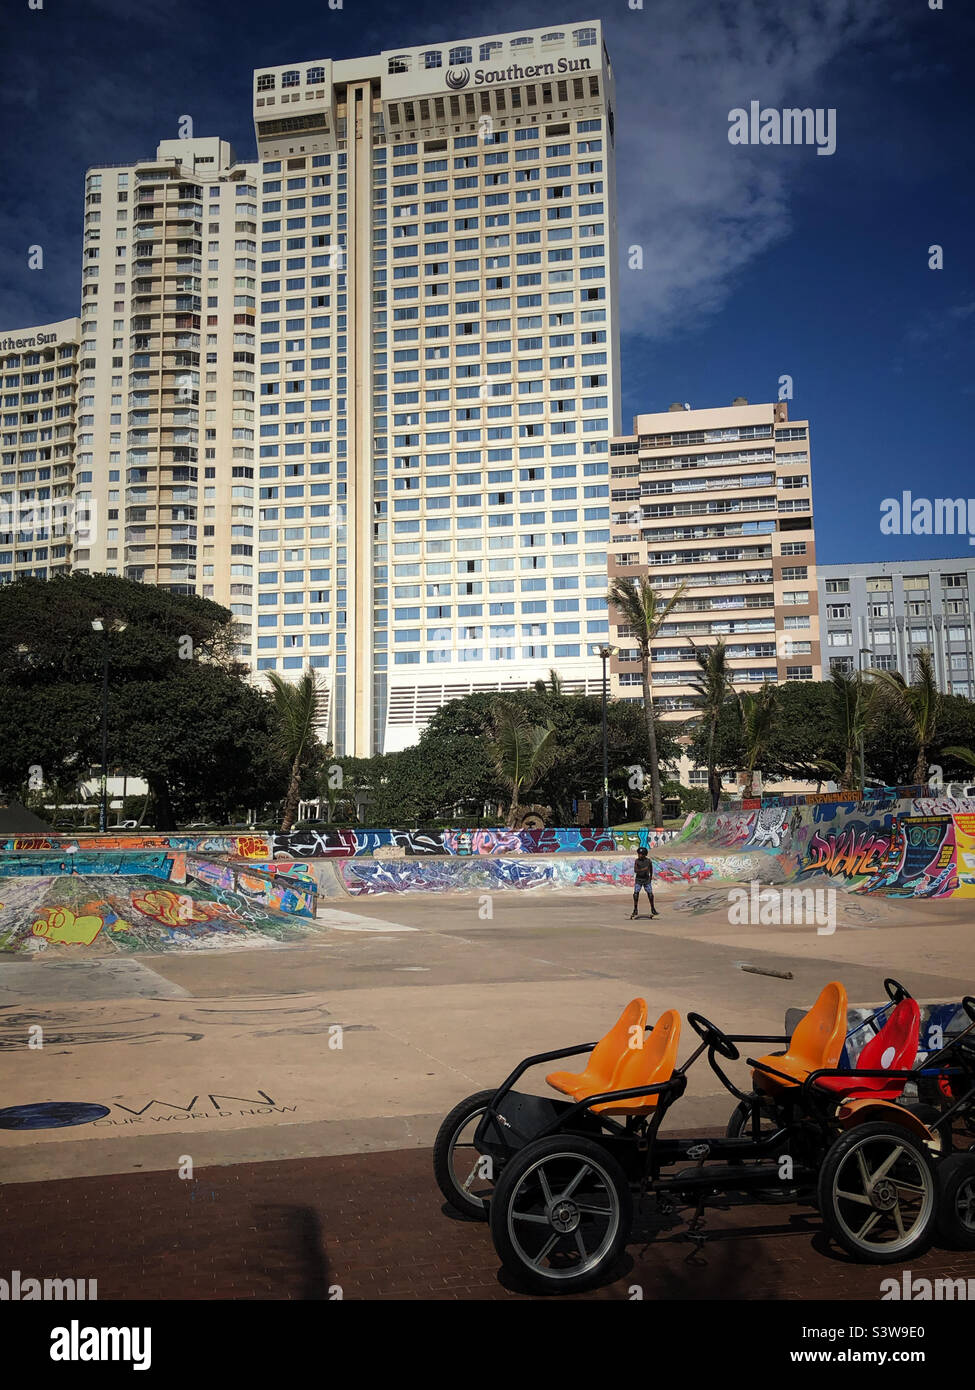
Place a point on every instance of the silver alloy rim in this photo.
(882, 1201)
(563, 1219)
(464, 1185)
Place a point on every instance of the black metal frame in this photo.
(803, 1113)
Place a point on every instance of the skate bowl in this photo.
(124, 901)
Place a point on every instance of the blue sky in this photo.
(758, 261)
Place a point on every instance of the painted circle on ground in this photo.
(51, 1114)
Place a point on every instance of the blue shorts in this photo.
(646, 883)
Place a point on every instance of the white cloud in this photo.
(701, 208)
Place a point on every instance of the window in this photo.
(462, 54)
(432, 58)
(839, 586)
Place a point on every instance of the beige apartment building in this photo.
(721, 501)
(166, 408)
(38, 391)
(439, 375)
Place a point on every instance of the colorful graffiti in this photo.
(920, 861)
(300, 845)
(851, 853)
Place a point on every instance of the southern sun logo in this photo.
(457, 78)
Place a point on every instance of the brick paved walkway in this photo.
(374, 1225)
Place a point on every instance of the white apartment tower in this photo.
(166, 411)
(38, 390)
(719, 501)
(438, 369)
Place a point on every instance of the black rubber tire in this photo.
(956, 1201)
(473, 1206)
(839, 1164)
(517, 1179)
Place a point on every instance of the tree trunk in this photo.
(848, 771)
(714, 787)
(164, 818)
(715, 798)
(652, 737)
(291, 799)
(921, 766)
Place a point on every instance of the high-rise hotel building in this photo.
(167, 374)
(38, 394)
(438, 373)
(720, 501)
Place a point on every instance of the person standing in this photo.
(642, 879)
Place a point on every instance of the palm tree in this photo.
(715, 685)
(522, 752)
(297, 706)
(644, 612)
(552, 687)
(758, 709)
(919, 704)
(852, 703)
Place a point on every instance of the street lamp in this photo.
(864, 651)
(604, 652)
(99, 625)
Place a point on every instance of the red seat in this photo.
(893, 1049)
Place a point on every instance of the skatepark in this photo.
(252, 1004)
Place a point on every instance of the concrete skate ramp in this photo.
(892, 848)
(102, 903)
(534, 873)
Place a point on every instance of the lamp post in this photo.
(864, 651)
(99, 625)
(604, 652)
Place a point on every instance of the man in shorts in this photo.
(642, 879)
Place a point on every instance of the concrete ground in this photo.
(364, 1037)
(270, 1113)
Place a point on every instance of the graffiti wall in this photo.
(136, 914)
(345, 844)
(485, 875)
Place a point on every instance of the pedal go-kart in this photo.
(557, 1179)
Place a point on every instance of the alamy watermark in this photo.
(24, 1289)
(791, 125)
(768, 906)
(908, 515)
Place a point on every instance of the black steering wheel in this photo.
(968, 1004)
(714, 1037)
(896, 991)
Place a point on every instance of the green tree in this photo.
(713, 688)
(180, 713)
(758, 708)
(853, 700)
(522, 752)
(297, 708)
(918, 704)
(642, 610)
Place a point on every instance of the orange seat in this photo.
(646, 1066)
(816, 1043)
(605, 1057)
(894, 1048)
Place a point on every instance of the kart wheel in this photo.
(460, 1170)
(561, 1214)
(956, 1201)
(740, 1124)
(877, 1193)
